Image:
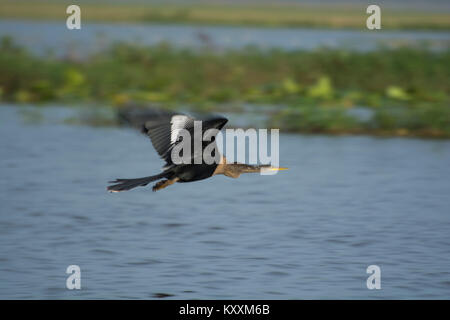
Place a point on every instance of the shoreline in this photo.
(264, 15)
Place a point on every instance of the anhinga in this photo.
(163, 129)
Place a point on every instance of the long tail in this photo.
(127, 184)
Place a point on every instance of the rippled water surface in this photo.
(310, 232)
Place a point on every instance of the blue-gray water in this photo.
(310, 232)
(44, 36)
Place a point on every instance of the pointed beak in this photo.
(276, 169)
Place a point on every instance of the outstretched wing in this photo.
(164, 130)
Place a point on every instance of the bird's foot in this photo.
(159, 185)
(163, 183)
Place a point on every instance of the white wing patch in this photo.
(178, 122)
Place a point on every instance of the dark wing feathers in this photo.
(163, 127)
(160, 136)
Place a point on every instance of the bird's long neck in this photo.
(234, 170)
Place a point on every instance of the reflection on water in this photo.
(41, 36)
(310, 232)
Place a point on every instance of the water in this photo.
(310, 232)
(42, 36)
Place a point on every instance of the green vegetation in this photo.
(247, 13)
(407, 91)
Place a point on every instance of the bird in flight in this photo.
(164, 130)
